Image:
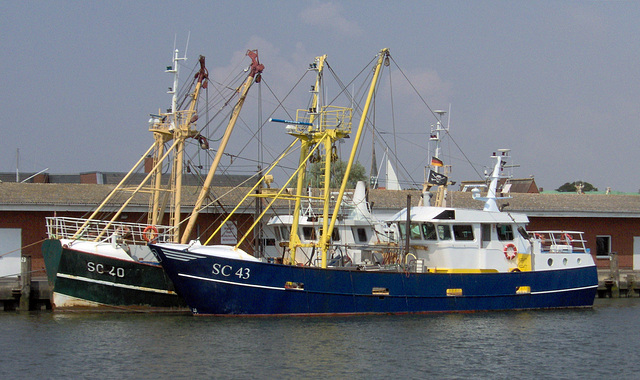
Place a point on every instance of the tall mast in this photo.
(306, 142)
(156, 209)
(383, 57)
(254, 76)
(184, 131)
(435, 136)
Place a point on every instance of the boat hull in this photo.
(88, 281)
(221, 286)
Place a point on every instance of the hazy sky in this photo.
(558, 82)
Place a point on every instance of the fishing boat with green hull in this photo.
(104, 264)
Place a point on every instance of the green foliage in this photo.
(571, 187)
(316, 170)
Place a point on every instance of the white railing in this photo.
(560, 241)
(131, 233)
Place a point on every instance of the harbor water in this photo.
(598, 343)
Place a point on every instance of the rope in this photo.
(25, 246)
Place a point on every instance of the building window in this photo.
(462, 232)
(603, 246)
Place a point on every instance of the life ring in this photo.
(150, 234)
(510, 251)
(538, 236)
(568, 238)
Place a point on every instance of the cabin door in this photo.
(636, 253)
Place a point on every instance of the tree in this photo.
(572, 187)
(316, 170)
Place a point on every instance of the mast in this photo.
(161, 137)
(490, 201)
(324, 239)
(306, 141)
(436, 131)
(181, 133)
(254, 76)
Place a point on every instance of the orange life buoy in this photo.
(150, 234)
(510, 251)
(568, 238)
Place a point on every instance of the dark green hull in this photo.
(88, 281)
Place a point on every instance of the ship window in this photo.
(463, 232)
(505, 232)
(285, 231)
(429, 231)
(603, 246)
(446, 214)
(415, 231)
(309, 233)
(486, 232)
(444, 232)
(335, 234)
(361, 233)
(276, 230)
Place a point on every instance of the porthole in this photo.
(565, 261)
(579, 260)
(550, 262)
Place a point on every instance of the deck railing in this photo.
(560, 241)
(131, 233)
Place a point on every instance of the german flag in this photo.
(436, 162)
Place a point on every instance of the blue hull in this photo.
(219, 286)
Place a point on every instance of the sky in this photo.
(557, 82)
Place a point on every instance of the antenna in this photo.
(187, 46)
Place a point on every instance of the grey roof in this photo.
(48, 195)
(113, 178)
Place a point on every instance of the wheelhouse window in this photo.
(309, 233)
(429, 231)
(486, 232)
(505, 232)
(361, 235)
(335, 234)
(603, 246)
(462, 232)
(444, 232)
(285, 232)
(415, 231)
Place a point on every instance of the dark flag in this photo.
(437, 178)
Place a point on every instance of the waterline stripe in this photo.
(229, 282)
(565, 290)
(101, 282)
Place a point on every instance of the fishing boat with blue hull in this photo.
(102, 263)
(452, 260)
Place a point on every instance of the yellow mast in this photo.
(256, 70)
(306, 141)
(326, 233)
